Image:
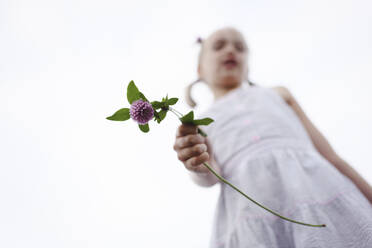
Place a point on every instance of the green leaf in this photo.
(132, 92)
(162, 114)
(157, 105)
(188, 118)
(142, 96)
(120, 115)
(205, 121)
(156, 114)
(144, 128)
(172, 101)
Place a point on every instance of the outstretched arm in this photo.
(323, 146)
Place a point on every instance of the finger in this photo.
(186, 129)
(188, 140)
(209, 145)
(196, 150)
(199, 169)
(193, 162)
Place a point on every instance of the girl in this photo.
(262, 142)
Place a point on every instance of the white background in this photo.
(71, 178)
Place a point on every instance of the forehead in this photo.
(225, 34)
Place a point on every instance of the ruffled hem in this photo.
(348, 217)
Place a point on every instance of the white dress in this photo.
(265, 151)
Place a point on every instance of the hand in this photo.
(192, 148)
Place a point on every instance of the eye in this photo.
(218, 44)
(239, 46)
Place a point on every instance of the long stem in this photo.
(175, 111)
(231, 185)
(271, 211)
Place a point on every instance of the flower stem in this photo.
(175, 111)
(271, 211)
(179, 115)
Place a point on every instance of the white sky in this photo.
(71, 178)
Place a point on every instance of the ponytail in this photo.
(190, 101)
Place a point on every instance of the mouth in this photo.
(230, 63)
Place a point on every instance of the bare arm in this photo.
(323, 146)
(347, 170)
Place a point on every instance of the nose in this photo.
(230, 49)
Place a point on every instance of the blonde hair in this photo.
(189, 100)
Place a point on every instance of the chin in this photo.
(230, 82)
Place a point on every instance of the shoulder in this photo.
(284, 92)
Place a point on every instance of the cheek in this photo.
(211, 65)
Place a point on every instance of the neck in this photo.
(219, 92)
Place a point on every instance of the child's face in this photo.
(223, 62)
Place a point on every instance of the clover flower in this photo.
(141, 111)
